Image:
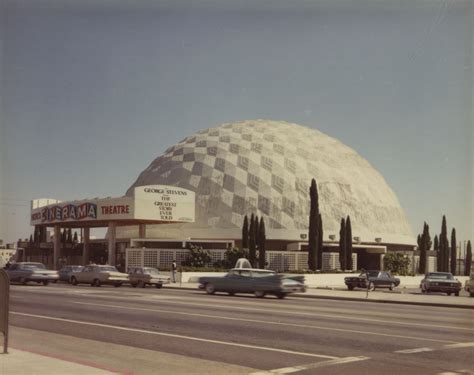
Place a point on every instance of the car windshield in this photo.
(370, 273)
(151, 271)
(76, 268)
(108, 269)
(262, 273)
(441, 276)
(34, 266)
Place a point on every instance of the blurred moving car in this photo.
(251, 280)
(24, 272)
(66, 272)
(143, 276)
(371, 280)
(96, 275)
(440, 282)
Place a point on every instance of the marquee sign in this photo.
(153, 202)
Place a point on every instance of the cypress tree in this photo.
(313, 226)
(319, 254)
(342, 245)
(252, 244)
(424, 240)
(245, 233)
(31, 239)
(468, 260)
(261, 245)
(436, 249)
(453, 251)
(257, 232)
(75, 239)
(348, 243)
(443, 246)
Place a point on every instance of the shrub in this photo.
(397, 263)
(197, 257)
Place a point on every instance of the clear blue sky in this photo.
(93, 90)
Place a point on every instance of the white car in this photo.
(97, 275)
(24, 272)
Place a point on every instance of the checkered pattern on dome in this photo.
(265, 167)
(241, 168)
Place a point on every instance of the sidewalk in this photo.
(47, 353)
(398, 296)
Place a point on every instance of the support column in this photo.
(141, 230)
(85, 246)
(112, 237)
(56, 246)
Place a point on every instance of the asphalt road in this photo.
(294, 335)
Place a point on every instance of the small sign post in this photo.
(4, 307)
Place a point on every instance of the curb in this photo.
(354, 299)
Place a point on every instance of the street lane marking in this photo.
(262, 322)
(460, 345)
(449, 346)
(176, 336)
(289, 370)
(311, 314)
(416, 350)
(115, 294)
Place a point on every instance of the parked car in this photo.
(143, 276)
(66, 272)
(251, 280)
(24, 272)
(440, 282)
(371, 280)
(96, 275)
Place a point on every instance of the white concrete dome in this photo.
(265, 167)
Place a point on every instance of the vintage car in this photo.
(371, 280)
(24, 272)
(251, 280)
(96, 275)
(66, 272)
(440, 282)
(143, 276)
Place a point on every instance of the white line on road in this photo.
(289, 370)
(176, 336)
(459, 345)
(264, 322)
(415, 350)
(114, 294)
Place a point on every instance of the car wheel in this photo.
(231, 293)
(371, 286)
(23, 281)
(73, 281)
(259, 293)
(449, 293)
(350, 287)
(141, 284)
(55, 281)
(456, 294)
(159, 286)
(117, 285)
(96, 282)
(133, 284)
(471, 294)
(210, 288)
(392, 285)
(281, 295)
(46, 282)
